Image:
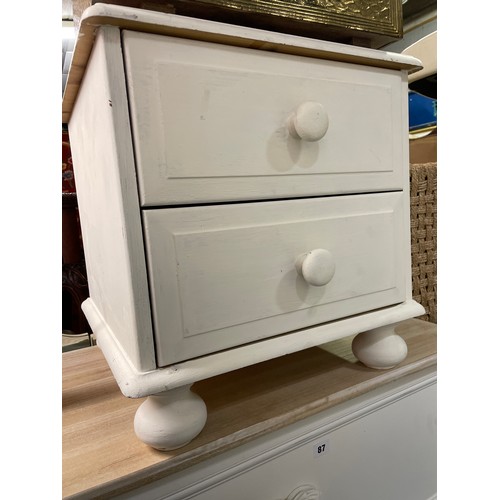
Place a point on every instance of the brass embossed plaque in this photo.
(371, 23)
(378, 15)
(326, 19)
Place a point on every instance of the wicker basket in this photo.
(423, 212)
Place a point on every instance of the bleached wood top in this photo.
(200, 29)
(102, 456)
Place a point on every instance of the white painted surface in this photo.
(101, 147)
(171, 419)
(200, 29)
(316, 267)
(380, 348)
(211, 123)
(225, 275)
(135, 384)
(304, 492)
(308, 122)
(405, 241)
(379, 446)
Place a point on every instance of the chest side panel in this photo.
(108, 202)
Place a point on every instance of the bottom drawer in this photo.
(225, 275)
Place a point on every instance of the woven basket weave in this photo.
(423, 213)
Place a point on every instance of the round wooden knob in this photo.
(304, 492)
(316, 267)
(309, 122)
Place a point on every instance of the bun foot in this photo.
(380, 348)
(170, 419)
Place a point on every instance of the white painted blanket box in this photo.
(243, 195)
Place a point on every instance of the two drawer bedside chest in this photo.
(243, 195)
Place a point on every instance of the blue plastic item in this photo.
(422, 111)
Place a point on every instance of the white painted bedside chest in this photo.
(243, 195)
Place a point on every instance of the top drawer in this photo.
(213, 123)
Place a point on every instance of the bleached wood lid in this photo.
(200, 29)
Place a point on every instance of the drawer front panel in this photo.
(225, 275)
(211, 123)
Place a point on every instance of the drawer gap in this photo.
(272, 200)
